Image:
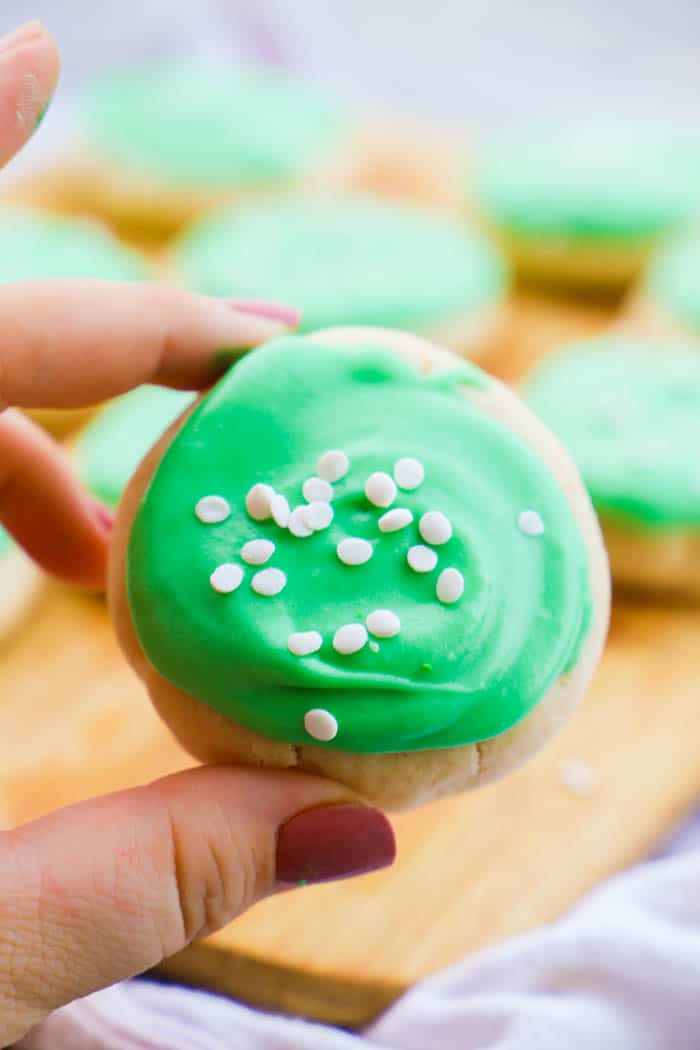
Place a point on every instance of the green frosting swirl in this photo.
(629, 413)
(590, 182)
(347, 261)
(673, 279)
(111, 447)
(38, 245)
(199, 124)
(455, 673)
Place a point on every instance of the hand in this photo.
(102, 890)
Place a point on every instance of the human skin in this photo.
(102, 890)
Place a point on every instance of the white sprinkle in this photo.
(374, 646)
(226, 578)
(257, 552)
(349, 639)
(435, 528)
(320, 724)
(421, 559)
(383, 623)
(530, 523)
(298, 525)
(353, 551)
(380, 489)
(450, 586)
(395, 519)
(408, 473)
(333, 465)
(268, 582)
(577, 775)
(317, 490)
(318, 515)
(303, 643)
(257, 502)
(279, 508)
(212, 509)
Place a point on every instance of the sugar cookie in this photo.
(405, 686)
(587, 204)
(628, 411)
(352, 260)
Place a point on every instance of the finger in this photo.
(67, 343)
(44, 507)
(108, 888)
(29, 67)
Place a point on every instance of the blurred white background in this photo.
(478, 63)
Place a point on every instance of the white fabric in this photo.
(621, 971)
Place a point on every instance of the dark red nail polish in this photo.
(334, 842)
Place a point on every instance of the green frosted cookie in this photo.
(339, 549)
(629, 413)
(591, 183)
(673, 280)
(208, 125)
(345, 261)
(38, 244)
(110, 448)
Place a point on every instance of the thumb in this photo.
(105, 889)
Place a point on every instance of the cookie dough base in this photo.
(406, 779)
(476, 335)
(138, 207)
(61, 421)
(398, 161)
(602, 265)
(661, 562)
(644, 317)
(20, 581)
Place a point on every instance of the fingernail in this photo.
(334, 842)
(31, 102)
(288, 315)
(104, 515)
(21, 35)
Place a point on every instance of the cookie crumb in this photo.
(577, 775)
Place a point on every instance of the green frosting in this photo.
(201, 125)
(38, 244)
(347, 261)
(6, 542)
(629, 413)
(673, 279)
(111, 447)
(455, 673)
(596, 181)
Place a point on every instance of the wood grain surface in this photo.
(75, 722)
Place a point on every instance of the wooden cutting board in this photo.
(74, 722)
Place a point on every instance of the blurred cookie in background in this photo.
(109, 449)
(628, 411)
(667, 302)
(38, 244)
(585, 205)
(354, 260)
(160, 144)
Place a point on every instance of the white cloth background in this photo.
(621, 972)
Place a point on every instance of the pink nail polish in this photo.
(334, 842)
(22, 35)
(287, 315)
(104, 515)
